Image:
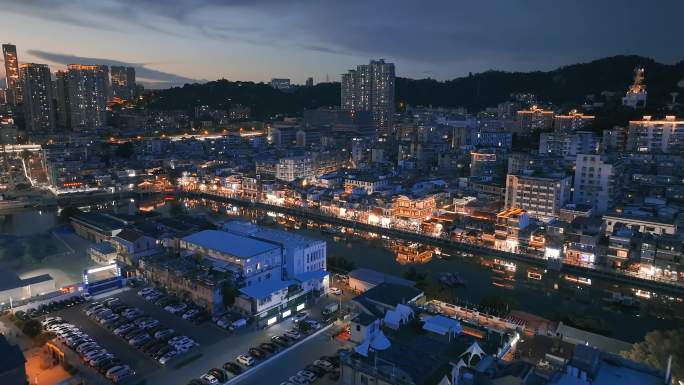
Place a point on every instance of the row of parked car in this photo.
(139, 330)
(261, 352)
(90, 351)
(173, 305)
(316, 370)
(48, 308)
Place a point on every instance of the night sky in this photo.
(175, 41)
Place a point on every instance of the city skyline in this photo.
(206, 40)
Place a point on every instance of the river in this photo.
(523, 287)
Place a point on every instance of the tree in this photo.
(657, 347)
(229, 293)
(498, 305)
(32, 328)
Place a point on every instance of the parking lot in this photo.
(216, 345)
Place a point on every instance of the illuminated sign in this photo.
(300, 307)
(287, 313)
(271, 321)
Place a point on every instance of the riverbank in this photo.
(589, 272)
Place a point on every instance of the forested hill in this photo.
(563, 86)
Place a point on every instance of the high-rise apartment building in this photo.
(597, 181)
(123, 82)
(36, 86)
(61, 95)
(13, 86)
(656, 136)
(88, 86)
(370, 87)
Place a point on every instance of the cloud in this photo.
(445, 37)
(145, 75)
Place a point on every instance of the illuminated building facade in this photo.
(88, 87)
(656, 136)
(534, 119)
(541, 197)
(573, 121)
(371, 88)
(9, 53)
(36, 84)
(123, 82)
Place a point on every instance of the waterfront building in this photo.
(582, 240)
(413, 209)
(12, 81)
(370, 87)
(301, 255)
(509, 229)
(293, 168)
(369, 183)
(123, 82)
(533, 119)
(363, 279)
(573, 121)
(132, 244)
(641, 224)
(280, 84)
(88, 89)
(656, 136)
(36, 85)
(97, 226)
(597, 181)
(542, 196)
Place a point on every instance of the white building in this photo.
(541, 197)
(295, 167)
(300, 254)
(596, 181)
(367, 182)
(659, 136)
(567, 144)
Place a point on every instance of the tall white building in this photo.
(596, 181)
(567, 144)
(36, 85)
(370, 87)
(292, 168)
(541, 197)
(656, 136)
(88, 89)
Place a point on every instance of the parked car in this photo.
(208, 379)
(219, 374)
(163, 334)
(232, 367)
(257, 353)
(245, 360)
(279, 340)
(168, 357)
(293, 334)
(306, 374)
(301, 316)
(313, 324)
(335, 290)
(323, 364)
(269, 347)
(191, 313)
(176, 308)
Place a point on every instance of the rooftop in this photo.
(229, 243)
(375, 277)
(264, 289)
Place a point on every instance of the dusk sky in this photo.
(172, 42)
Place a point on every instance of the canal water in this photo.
(587, 304)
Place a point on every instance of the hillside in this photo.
(563, 86)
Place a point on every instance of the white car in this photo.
(85, 346)
(163, 334)
(167, 357)
(178, 339)
(148, 324)
(323, 364)
(190, 313)
(208, 379)
(145, 291)
(335, 290)
(177, 308)
(299, 317)
(306, 374)
(185, 346)
(245, 360)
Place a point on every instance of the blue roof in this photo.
(228, 243)
(264, 289)
(309, 275)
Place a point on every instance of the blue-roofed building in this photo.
(251, 260)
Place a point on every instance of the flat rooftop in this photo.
(228, 243)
